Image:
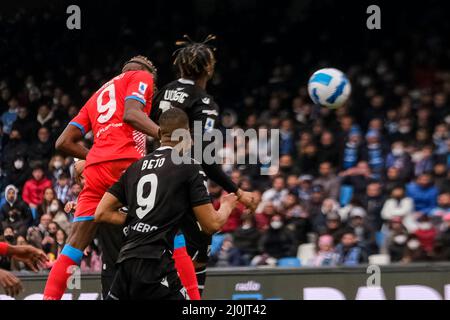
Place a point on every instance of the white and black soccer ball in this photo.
(329, 87)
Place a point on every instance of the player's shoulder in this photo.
(138, 74)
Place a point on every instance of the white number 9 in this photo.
(146, 204)
(109, 107)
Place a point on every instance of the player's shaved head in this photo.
(170, 120)
(140, 63)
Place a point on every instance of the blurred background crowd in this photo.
(367, 182)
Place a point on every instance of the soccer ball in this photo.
(329, 87)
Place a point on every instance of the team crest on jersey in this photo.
(142, 87)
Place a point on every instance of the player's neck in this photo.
(202, 82)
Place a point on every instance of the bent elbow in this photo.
(60, 143)
(128, 116)
(211, 228)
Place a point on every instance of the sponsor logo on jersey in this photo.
(209, 124)
(142, 87)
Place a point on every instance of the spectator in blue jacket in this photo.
(423, 192)
(349, 251)
(10, 115)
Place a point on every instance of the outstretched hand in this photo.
(33, 257)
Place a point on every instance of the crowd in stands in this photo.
(369, 178)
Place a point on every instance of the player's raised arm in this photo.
(139, 95)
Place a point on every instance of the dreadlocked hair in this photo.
(193, 58)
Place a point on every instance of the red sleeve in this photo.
(81, 121)
(140, 87)
(3, 249)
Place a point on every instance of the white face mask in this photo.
(276, 224)
(246, 226)
(18, 164)
(398, 152)
(57, 164)
(54, 207)
(425, 225)
(413, 244)
(400, 239)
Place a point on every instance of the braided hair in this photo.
(145, 62)
(194, 59)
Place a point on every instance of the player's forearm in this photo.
(141, 122)
(75, 150)
(112, 217)
(69, 143)
(216, 174)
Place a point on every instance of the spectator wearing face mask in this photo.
(325, 256)
(349, 251)
(399, 159)
(15, 213)
(278, 241)
(33, 190)
(426, 234)
(264, 216)
(56, 167)
(399, 205)
(246, 239)
(59, 216)
(20, 172)
(14, 148)
(423, 192)
(396, 239)
(9, 237)
(414, 251)
(49, 240)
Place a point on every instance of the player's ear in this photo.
(159, 134)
